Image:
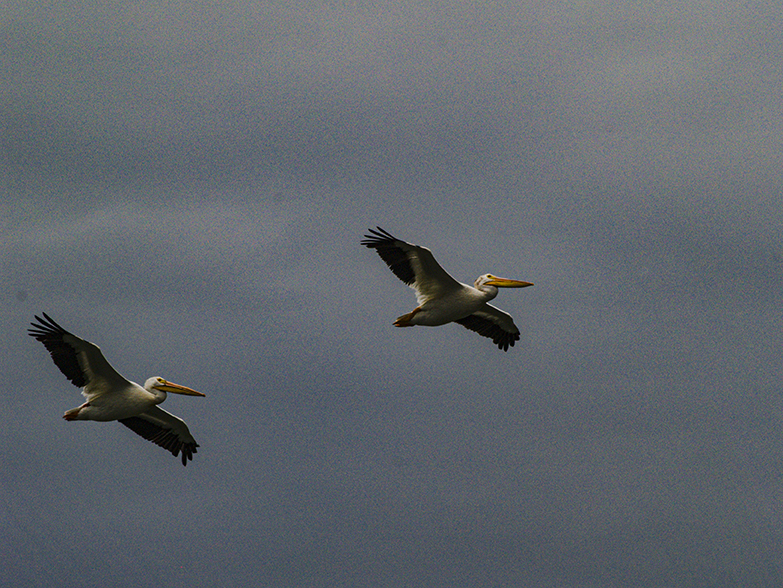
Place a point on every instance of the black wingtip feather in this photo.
(378, 235)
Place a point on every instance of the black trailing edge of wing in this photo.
(64, 356)
(161, 437)
(394, 256)
(487, 328)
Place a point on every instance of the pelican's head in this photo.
(490, 280)
(158, 383)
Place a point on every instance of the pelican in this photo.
(110, 397)
(441, 298)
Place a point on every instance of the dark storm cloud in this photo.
(209, 92)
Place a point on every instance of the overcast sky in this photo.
(186, 184)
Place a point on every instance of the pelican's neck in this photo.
(487, 292)
(158, 395)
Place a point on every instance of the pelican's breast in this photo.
(118, 404)
(451, 307)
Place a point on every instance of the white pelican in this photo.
(441, 298)
(110, 397)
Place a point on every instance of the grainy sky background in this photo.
(186, 185)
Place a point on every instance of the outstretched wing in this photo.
(413, 264)
(493, 323)
(164, 430)
(81, 361)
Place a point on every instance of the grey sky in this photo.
(186, 185)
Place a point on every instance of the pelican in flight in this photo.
(441, 298)
(110, 397)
